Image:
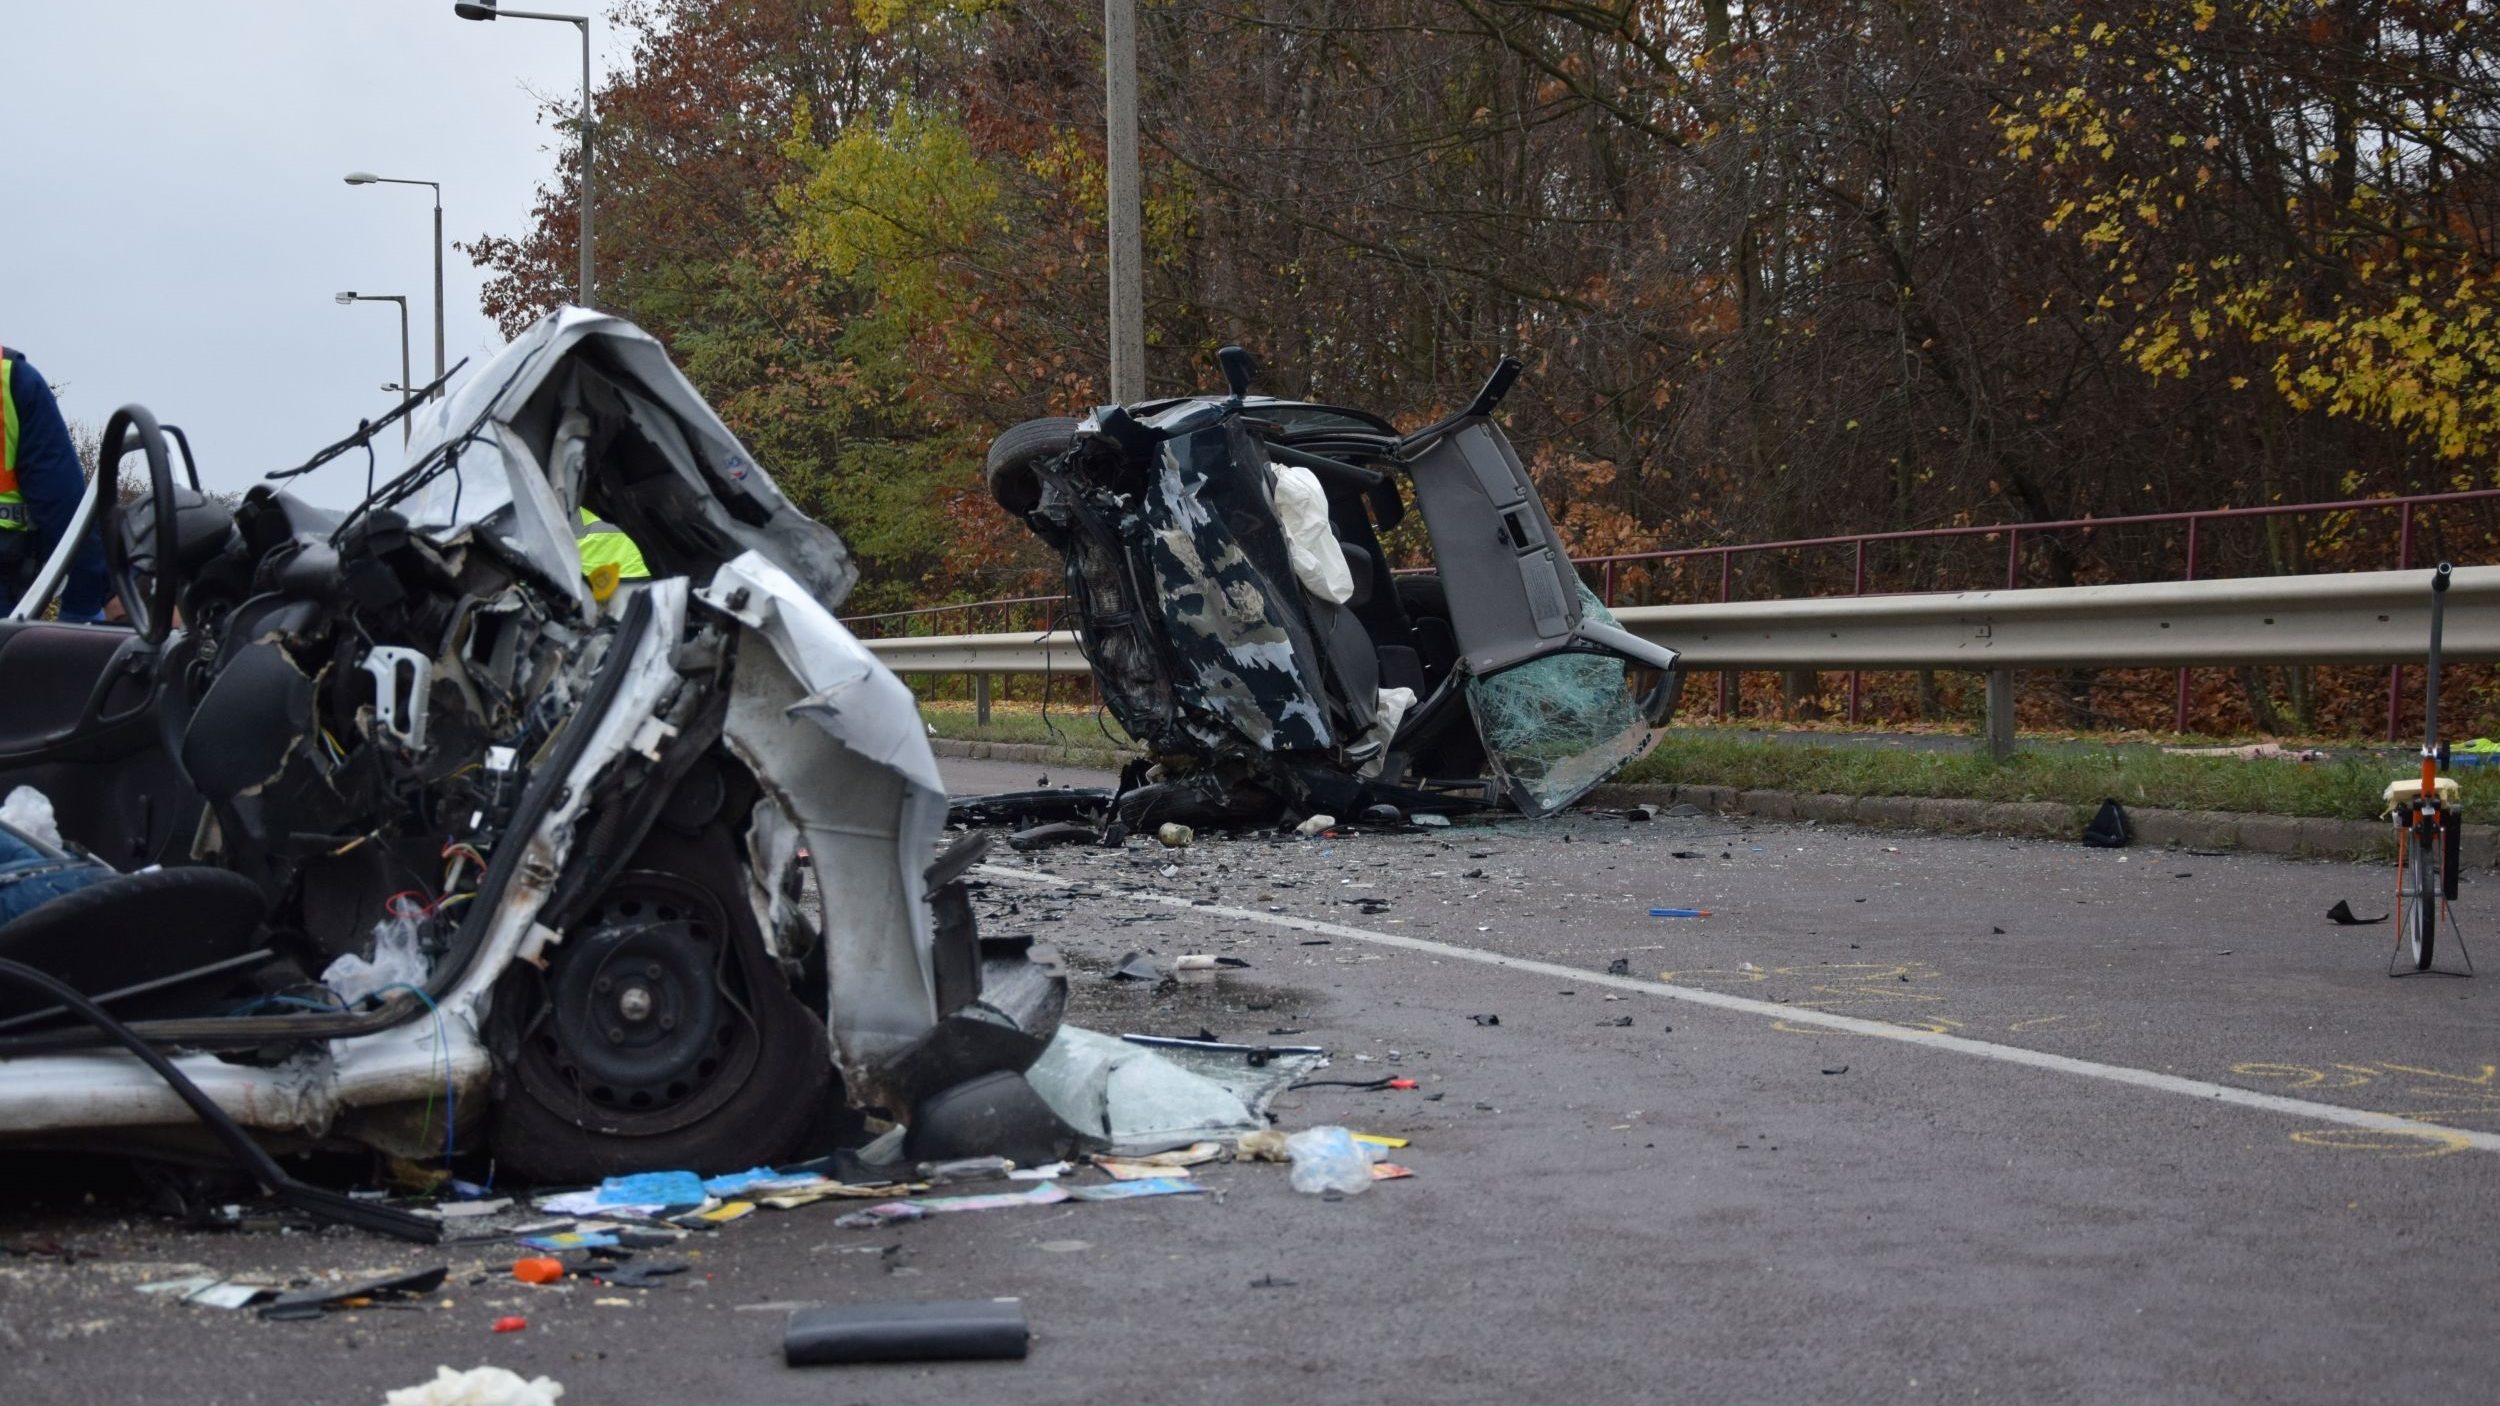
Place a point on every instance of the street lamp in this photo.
(346, 298)
(487, 10)
(367, 178)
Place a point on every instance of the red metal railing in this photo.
(1611, 569)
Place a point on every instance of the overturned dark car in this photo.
(1244, 625)
(391, 828)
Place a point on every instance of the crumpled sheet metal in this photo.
(836, 739)
(506, 441)
(1244, 658)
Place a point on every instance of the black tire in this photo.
(1013, 455)
(556, 1122)
(2421, 909)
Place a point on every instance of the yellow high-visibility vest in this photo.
(12, 503)
(608, 555)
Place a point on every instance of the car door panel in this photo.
(78, 722)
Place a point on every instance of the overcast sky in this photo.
(175, 223)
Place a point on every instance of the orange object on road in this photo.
(512, 1324)
(538, 1271)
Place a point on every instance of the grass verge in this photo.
(1073, 728)
(2139, 776)
(2346, 789)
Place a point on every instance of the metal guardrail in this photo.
(2376, 617)
(1608, 575)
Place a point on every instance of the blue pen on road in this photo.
(1679, 912)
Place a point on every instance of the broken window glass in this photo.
(1556, 727)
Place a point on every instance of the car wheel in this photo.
(1009, 470)
(659, 1037)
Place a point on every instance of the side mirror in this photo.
(1238, 368)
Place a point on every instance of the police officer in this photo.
(40, 485)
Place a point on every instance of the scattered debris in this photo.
(2341, 915)
(478, 1386)
(1486, 1019)
(1136, 966)
(1265, 1145)
(1128, 1190)
(1620, 966)
(636, 1274)
(1619, 1022)
(312, 1302)
(869, 1217)
(937, 1331)
(1174, 835)
(2108, 829)
(1835, 1069)
(1137, 1171)
(510, 1323)
(1679, 912)
(1641, 813)
(1270, 1281)
(1389, 1171)
(1060, 832)
(538, 1270)
(1430, 821)
(1327, 1158)
(1317, 824)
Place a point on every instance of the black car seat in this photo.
(165, 939)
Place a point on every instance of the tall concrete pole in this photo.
(1128, 292)
(589, 289)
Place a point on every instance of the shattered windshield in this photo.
(1556, 727)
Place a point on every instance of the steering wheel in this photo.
(141, 549)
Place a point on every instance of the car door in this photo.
(78, 722)
(1548, 671)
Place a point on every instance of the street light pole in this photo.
(585, 290)
(345, 299)
(367, 178)
(1128, 294)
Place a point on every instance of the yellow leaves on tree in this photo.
(2372, 305)
(898, 206)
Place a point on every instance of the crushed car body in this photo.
(405, 832)
(1243, 624)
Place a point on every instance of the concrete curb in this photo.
(2305, 837)
(2300, 837)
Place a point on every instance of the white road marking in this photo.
(1847, 1024)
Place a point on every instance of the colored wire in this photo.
(442, 1047)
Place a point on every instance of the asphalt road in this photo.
(1738, 1184)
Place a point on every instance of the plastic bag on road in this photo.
(1329, 1159)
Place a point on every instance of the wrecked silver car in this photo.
(398, 830)
(1243, 623)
